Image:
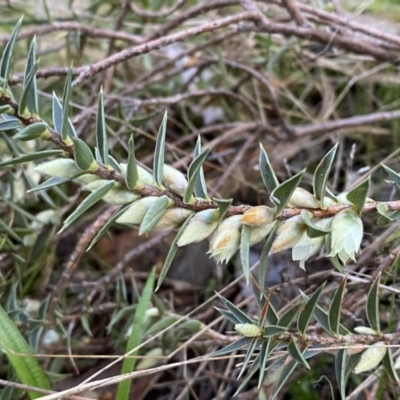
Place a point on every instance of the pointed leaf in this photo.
(9, 125)
(91, 200)
(308, 310)
(282, 193)
(113, 163)
(389, 366)
(372, 307)
(263, 361)
(83, 155)
(31, 132)
(7, 54)
(223, 206)
(313, 230)
(153, 214)
(295, 352)
(239, 314)
(393, 175)
(171, 253)
(101, 132)
(358, 195)
(244, 251)
(65, 106)
(31, 157)
(54, 181)
(249, 353)
(226, 313)
(239, 344)
(263, 264)
(267, 173)
(6, 108)
(340, 368)
(193, 172)
(158, 165)
(286, 319)
(132, 174)
(32, 100)
(200, 187)
(273, 330)
(57, 114)
(285, 375)
(336, 307)
(321, 175)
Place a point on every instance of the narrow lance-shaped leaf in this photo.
(7, 54)
(295, 352)
(6, 108)
(65, 107)
(238, 313)
(393, 175)
(101, 132)
(263, 264)
(223, 206)
(136, 336)
(193, 172)
(372, 306)
(34, 131)
(54, 181)
(57, 114)
(389, 366)
(154, 213)
(244, 251)
(200, 187)
(267, 173)
(285, 375)
(158, 165)
(313, 230)
(83, 155)
(29, 87)
(91, 200)
(132, 174)
(308, 310)
(321, 175)
(340, 369)
(239, 344)
(171, 253)
(9, 125)
(282, 193)
(30, 157)
(336, 307)
(249, 353)
(358, 195)
(32, 100)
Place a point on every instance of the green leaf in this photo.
(223, 206)
(193, 172)
(9, 125)
(249, 353)
(239, 344)
(228, 314)
(171, 253)
(263, 264)
(4, 109)
(295, 352)
(107, 225)
(91, 200)
(393, 175)
(153, 214)
(340, 369)
(267, 173)
(200, 187)
(285, 375)
(372, 306)
(101, 132)
(244, 251)
(83, 155)
(358, 195)
(113, 163)
(321, 175)
(7, 54)
(20, 356)
(30, 157)
(136, 336)
(54, 181)
(242, 317)
(286, 319)
(273, 330)
(336, 307)
(32, 99)
(282, 193)
(65, 107)
(389, 366)
(308, 310)
(132, 174)
(158, 165)
(313, 230)
(31, 132)
(57, 114)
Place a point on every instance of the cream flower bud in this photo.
(364, 330)
(144, 176)
(305, 248)
(136, 212)
(258, 233)
(301, 198)
(85, 179)
(259, 215)
(248, 330)
(371, 357)
(200, 227)
(346, 235)
(95, 184)
(226, 239)
(172, 219)
(59, 168)
(174, 180)
(288, 234)
(120, 196)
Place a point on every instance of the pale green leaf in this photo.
(30, 157)
(340, 369)
(249, 353)
(9, 125)
(132, 174)
(57, 114)
(336, 307)
(273, 330)
(232, 347)
(31, 91)
(101, 132)
(200, 187)
(393, 175)
(267, 173)
(389, 367)
(372, 306)
(285, 375)
(313, 230)
(65, 106)
(223, 206)
(83, 155)
(358, 195)
(321, 175)
(53, 181)
(153, 214)
(244, 251)
(31, 132)
(295, 352)
(159, 152)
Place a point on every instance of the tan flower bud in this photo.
(60, 168)
(371, 357)
(172, 219)
(226, 239)
(301, 198)
(288, 234)
(259, 215)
